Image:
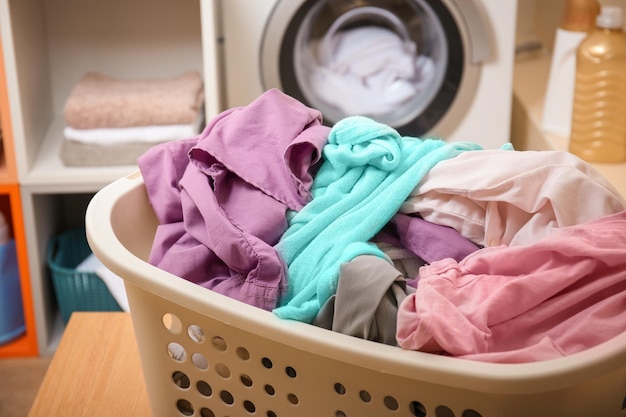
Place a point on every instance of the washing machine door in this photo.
(411, 64)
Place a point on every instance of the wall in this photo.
(538, 19)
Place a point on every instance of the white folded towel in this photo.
(135, 134)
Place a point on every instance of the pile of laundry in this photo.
(494, 255)
(112, 121)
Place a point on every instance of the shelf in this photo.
(48, 45)
(51, 44)
(529, 85)
(50, 214)
(49, 174)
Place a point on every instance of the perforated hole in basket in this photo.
(219, 360)
(181, 379)
(172, 323)
(443, 411)
(415, 408)
(195, 333)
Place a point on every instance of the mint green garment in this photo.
(368, 171)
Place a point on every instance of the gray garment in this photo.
(405, 261)
(366, 303)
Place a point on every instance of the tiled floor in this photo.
(19, 382)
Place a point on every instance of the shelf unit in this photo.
(47, 46)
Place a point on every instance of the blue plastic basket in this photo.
(11, 308)
(76, 290)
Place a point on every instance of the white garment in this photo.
(114, 283)
(369, 70)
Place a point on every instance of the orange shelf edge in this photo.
(26, 344)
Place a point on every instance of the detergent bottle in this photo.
(599, 114)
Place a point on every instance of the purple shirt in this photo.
(429, 241)
(221, 198)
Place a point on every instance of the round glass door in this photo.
(399, 62)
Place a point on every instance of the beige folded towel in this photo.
(77, 154)
(99, 101)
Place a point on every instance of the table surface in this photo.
(95, 371)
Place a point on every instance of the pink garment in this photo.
(503, 197)
(559, 296)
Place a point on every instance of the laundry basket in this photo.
(204, 354)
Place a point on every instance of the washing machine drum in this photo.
(404, 63)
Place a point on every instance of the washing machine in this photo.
(428, 68)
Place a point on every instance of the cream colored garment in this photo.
(495, 197)
(100, 101)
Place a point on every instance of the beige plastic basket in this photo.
(204, 354)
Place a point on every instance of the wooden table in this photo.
(95, 371)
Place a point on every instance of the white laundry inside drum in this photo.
(371, 70)
(364, 68)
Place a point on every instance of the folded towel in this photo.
(78, 154)
(98, 101)
(138, 134)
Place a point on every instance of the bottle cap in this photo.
(580, 15)
(610, 17)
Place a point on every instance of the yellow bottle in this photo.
(599, 114)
